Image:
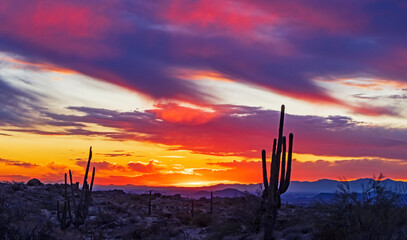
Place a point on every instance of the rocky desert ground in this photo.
(30, 212)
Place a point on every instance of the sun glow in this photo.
(203, 183)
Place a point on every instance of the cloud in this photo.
(101, 165)
(17, 107)
(15, 177)
(18, 163)
(186, 115)
(280, 46)
(400, 96)
(141, 167)
(245, 131)
(151, 166)
(116, 154)
(321, 169)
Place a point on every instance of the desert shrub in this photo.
(157, 230)
(243, 218)
(185, 218)
(376, 213)
(21, 221)
(137, 197)
(105, 217)
(227, 228)
(202, 220)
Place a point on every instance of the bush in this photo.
(202, 220)
(376, 213)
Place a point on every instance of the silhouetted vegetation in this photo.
(28, 212)
(80, 208)
(377, 213)
(272, 192)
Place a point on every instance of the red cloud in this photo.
(224, 15)
(60, 26)
(101, 165)
(178, 114)
(246, 17)
(18, 163)
(245, 131)
(149, 167)
(250, 171)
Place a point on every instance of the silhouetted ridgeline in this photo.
(299, 192)
(28, 211)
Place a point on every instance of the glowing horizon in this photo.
(188, 94)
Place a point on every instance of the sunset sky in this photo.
(187, 93)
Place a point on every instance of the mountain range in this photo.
(298, 192)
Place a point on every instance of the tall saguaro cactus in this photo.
(272, 191)
(80, 209)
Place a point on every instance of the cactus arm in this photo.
(73, 193)
(272, 161)
(283, 159)
(279, 146)
(85, 179)
(264, 165)
(67, 199)
(280, 128)
(91, 182)
(289, 162)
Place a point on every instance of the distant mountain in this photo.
(307, 189)
(201, 194)
(228, 192)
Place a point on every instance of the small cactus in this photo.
(211, 211)
(149, 204)
(192, 208)
(272, 192)
(64, 222)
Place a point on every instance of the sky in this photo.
(188, 93)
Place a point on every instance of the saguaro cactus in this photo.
(192, 208)
(149, 204)
(272, 191)
(64, 222)
(81, 209)
(211, 211)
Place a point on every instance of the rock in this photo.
(34, 182)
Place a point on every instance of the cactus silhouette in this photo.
(64, 222)
(211, 210)
(272, 191)
(80, 210)
(192, 208)
(149, 204)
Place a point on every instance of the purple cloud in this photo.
(280, 46)
(244, 131)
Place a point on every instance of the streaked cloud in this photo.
(274, 45)
(241, 131)
(17, 163)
